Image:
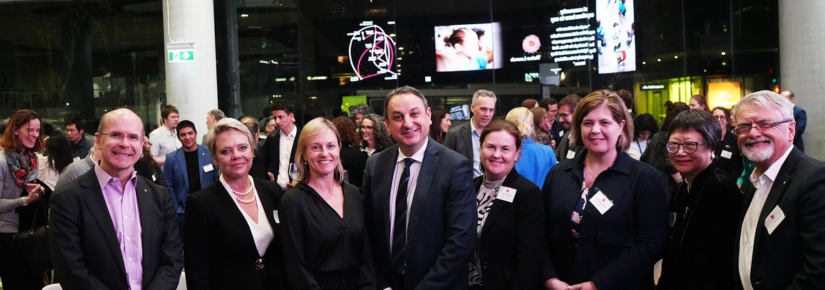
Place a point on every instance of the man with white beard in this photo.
(782, 237)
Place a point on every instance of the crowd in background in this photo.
(579, 193)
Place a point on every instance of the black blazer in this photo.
(272, 151)
(511, 245)
(793, 256)
(441, 233)
(732, 164)
(563, 147)
(460, 139)
(354, 161)
(85, 249)
(699, 252)
(617, 249)
(142, 168)
(219, 248)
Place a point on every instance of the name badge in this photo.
(154, 178)
(275, 215)
(726, 154)
(561, 133)
(506, 194)
(571, 154)
(601, 202)
(207, 168)
(774, 219)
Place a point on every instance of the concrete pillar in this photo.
(801, 38)
(191, 86)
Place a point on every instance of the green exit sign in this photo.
(181, 55)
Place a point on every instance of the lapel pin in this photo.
(144, 190)
(785, 182)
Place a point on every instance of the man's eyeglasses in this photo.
(564, 115)
(745, 128)
(134, 138)
(689, 147)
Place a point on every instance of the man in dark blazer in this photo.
(464, 138)
(782, 234)
(801, 118)
(565, 149)
(90, 224)
(287, 134)
(430, 247)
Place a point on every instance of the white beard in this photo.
(757, 155)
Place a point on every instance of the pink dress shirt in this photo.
(123, 209)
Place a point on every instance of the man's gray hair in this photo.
(766, 99)
(483, 93)
(218, 114)
(362, 109)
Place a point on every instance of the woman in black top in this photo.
(705, 209)
(353, 160)
(728, 157)
(322, 218)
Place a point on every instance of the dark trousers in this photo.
(14, 272)
(180, 226)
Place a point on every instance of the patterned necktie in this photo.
(399, 236)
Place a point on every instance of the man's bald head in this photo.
(115, 114)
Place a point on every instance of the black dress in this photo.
(728, 157)
(354, 162)
(700, 253)
(323, 250)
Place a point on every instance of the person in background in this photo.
(270, 125)
(464, 138)
(147, 167)
(605, 214)
(645, 126)
(374, 135)
(352, 159)
(541, 124)
(510, 248)
(188, 169)
(556, 128)
(530, 103)
(77, 168)
(699, 102)
(533, 162)
(565, 148)
(258, 170)
(440, 125)
(324, 237)
(212, 117)
(801, 119)
(358, 111)
(18, 168)
(704, 209)
(629, 102)
(728, 157)
(75, 131)
(232, 235)
(657, 156)
(279, 148)
(58, 156)
(164, 139)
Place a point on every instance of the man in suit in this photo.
(801, 118)
(464, 138)
(112, 229)
(279, 147)
(212, 117)
(555, 130)
(565, 149)
(430, 247)
(188, 169)
(783, 227)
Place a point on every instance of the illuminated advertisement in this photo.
(371, 52)
(615, 36)
(724, 94)
(468, 47)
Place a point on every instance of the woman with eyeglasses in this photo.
(704, 209)
(605, 213)
(727, 153)
(374, 134)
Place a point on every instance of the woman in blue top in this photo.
(536, 159)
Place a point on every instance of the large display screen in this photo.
(615, 36)
(468, 47)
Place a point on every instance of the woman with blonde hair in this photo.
(536, 159)
(322, 218)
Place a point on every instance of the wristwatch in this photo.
(23, 201)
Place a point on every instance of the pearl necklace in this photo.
(239, 194)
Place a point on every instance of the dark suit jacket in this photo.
(617, 249)
(801, 119)
(563, 146)
(354, 161)
(177, 175)
(219, 248)
(441, 233)
(793, 256)
(732, 165)
(85, 249)
(272, 149)
(155, 176)
(511, 246)
(460, 139)
(556, 131)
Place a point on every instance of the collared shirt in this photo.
(763, 184)
(476, 136)
(163, 141)
(415, 168)
(81, 149)
(123, 210)
(284, 150)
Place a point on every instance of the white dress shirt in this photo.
(763, 184)
(415, 168)
(284, 149)
(476, 136)
(163, 142)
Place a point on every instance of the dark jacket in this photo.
(564, 149)
(354, 161)
(460, 139)
(728, 156)
(511, 245)
(271, 151)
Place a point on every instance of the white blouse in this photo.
(262, 231)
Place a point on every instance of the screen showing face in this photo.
(615, 36)
(468, 47)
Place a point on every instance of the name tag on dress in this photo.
(601, 202)
(506, 194)
(726, 154)
(207, 168)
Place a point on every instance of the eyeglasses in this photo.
(366, 128)
(134, 138)
(564, 115)
(745, 128)
(720, 117)
(689, 147)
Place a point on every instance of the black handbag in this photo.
(33, 244)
